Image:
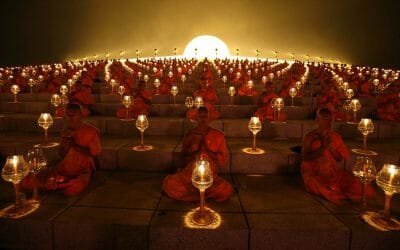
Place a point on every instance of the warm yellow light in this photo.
(205, 46)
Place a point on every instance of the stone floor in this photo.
(127, 210)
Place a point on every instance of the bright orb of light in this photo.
(206, 46)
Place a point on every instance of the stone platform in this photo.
(265, 212)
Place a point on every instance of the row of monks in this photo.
(322, 148)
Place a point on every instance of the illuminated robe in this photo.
(179, 186)
(83, 96)
(330, 100)
(323, 177)
(265, 111)
(76, 167)
(141, 105)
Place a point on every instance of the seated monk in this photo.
(200, 140)
(247, 89)
(322, 149)
(141, 103)
(265, 111)
(329, 98)
(79, 145)
(213, 113)
(82, 94)
(388, 112)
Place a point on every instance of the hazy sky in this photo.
(364, 32)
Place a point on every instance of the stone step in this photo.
(176, 126)
(122, 210)
(118, 153)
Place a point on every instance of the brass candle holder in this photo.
(232, 93)
(254, 126)
(292, 93)
(45, 121)
(15, 90)
(349, 93)
(250, 85)
(202, 178)
(63, 89)
(121, 91)
(365, 170)
(198, 102)
(224, 80)
(146, 78)
(277, 105)
(376, 83)
(174, 92)
(70, 83)
(127, 102)
(355, 105)
(189, 102)
(142, 124)
(14, 170)
(55, 101)
(37, 162)
(298, 85)
(157, 84)
(388, 179)
(31, 83)
(365, 126)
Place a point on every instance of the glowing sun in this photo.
(206, 46)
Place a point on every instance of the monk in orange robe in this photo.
(82, 94)
(329, 99)
(265, 111)
(322, 149)
(79, 145)
(201, 140)
(141, 103)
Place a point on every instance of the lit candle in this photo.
(392, 172)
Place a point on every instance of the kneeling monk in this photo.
(79, 145)
(322, 148)
(200, 140)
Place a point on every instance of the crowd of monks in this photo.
(263, 79)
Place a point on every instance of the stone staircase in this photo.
(125, 207)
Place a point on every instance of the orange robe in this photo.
(179, 186)
(76, 167)
(213, 114)
(141, 105)
(265, 112)
(323, 177)
(330, 100)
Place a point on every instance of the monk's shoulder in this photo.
(88, 128)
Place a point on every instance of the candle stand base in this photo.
(15, 212)
(47, 144)
(252, 151)
(143, 148)
(361, 151)
(381, 222)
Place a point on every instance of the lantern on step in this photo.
(142, 124)
(113, 84)
(388, 179)
(355, 106)
(278, 105)
(365, 170)
(31, 83)
(14, 170)
(250, 85)
(189, 102)
(202, 178)
(157, 84)
(349, 93)
(231, 92)
(45, 121)
(127, 102)
(292, 93)
(224, 79)
(121, 90)
(174, 92)
(376, 83)
(63, 89)
(70, 83)
(365, 126)
(254, 127)
(15, 90)
(198, 102)
(36, 162)
(183, 78)
(264, 79)
(55, 101)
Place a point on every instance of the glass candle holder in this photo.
(224, 80)
(232, 93)
(349, 93)
(298, 85)
(121, 90)
(15, 90)
(14, 170)
(250, 85)
(142, 124)
(183, 79)
(365, 170)
(55, 101)
(264, 79)
(70, 83)
(254, 127)
(157, 84)
(37, 162)
(189, 102)
(365, 126)
(292, 93)
(198, 102)
(355, 105)
(278, 105)
(31, 83)
(63, 89)
(113, 84)
(127, 102)
(174, 92)
(376, 83)
(202, 178)
(388, 179)
(45, 121)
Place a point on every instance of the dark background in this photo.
(358, 32)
